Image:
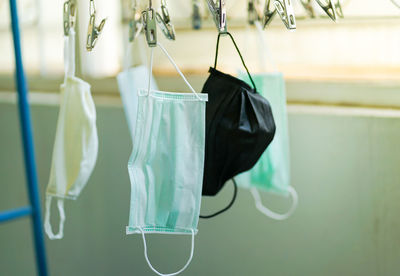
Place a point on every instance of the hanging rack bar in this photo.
(28, 149)
(15, 213)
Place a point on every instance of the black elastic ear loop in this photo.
(240, 55)
(227, 207)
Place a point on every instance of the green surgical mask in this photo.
(167, 162)
(272, 171)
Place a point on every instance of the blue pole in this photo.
(27, 139)
(15, 213)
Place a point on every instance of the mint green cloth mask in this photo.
(167, 162)
(272, 171)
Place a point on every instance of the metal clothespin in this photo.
(164, 22)
(135, 23)
(93, 31)
(308, 7)
(69, 15)
(329, 8)
(268, 14)
(219, 14)
(286, 12)
(150, 25)
(196, 16)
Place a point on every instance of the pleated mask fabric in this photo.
(166, 164)
(76, 141)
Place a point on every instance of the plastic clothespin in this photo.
(329, 8)
(253, 11)
(286, 12)
(164, 22)
(308, 7)
(219, 14)
(268, 14)
(150, 26)
(93, 31)
(69, 15)
(135, 24)
(196, 16)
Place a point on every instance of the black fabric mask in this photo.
(239, 127)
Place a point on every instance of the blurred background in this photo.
(343, 94)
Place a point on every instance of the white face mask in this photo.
(129, 81)
(167, 162)
(76, 141)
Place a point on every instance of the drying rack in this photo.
(33, 210)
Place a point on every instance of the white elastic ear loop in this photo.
(150, 70)
(260, 206)
(47, 226)
(265, 53)
(69, 54)
(170, 274)
(179, 71)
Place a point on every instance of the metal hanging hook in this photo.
(286, 12)
(268, 14)
(218, 12)
(329, 8)
(164, 21)
(69, 15)
(93, 30)
(150, 25)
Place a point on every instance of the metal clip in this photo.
(268, 14)
(196, 16)
(219, 14)
(166, 28)
(93, 31)
(164, 12)
(150, 26)
(69, 15)
(164, 22)
(286, 13)
(308, 7)
(135, 25)
(329, 8)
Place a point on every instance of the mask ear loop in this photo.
(47, 225)
(170, 274)
(228, 206)
(69, 55)
(240, 55)
(269, 213)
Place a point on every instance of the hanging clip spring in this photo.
(93, 31)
